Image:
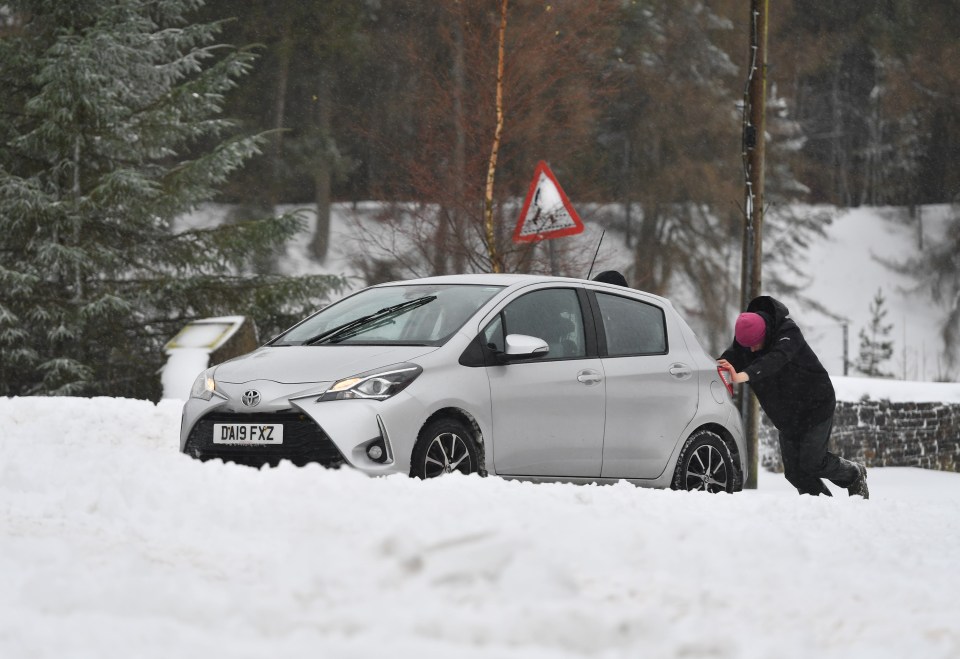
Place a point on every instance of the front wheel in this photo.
(444, 445)
(705, 464)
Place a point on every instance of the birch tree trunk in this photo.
(495, 264)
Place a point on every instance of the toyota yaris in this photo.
(520, 376)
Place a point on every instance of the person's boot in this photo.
(860, 485)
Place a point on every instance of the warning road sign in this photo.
(547, 213)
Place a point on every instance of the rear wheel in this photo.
(445, 445)
(705, 464)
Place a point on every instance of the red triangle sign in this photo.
(547, 213)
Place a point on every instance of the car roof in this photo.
(483, 279)
(517, 280)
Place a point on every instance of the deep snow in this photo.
(114, 545)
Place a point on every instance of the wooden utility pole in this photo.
(754, 125)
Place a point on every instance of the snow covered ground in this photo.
(114, 545)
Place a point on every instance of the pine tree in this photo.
(875, 346)
(113, 131)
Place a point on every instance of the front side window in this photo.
(551, 314)
(387, 315)
(632, 327)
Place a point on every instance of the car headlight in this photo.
(374, 385)
(204, 385)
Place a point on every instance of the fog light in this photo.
(375, 452)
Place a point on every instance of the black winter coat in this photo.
(790, 382)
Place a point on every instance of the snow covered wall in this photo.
(888, 423)
(881, 433)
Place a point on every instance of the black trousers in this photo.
(806, 460)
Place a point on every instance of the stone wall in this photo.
(884, 434)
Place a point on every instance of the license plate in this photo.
(247, 433)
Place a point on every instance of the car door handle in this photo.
(680, 371)
(589, 377)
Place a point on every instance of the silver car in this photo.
(519, 376)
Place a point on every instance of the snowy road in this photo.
(114, 545)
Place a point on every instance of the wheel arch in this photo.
(466, 418)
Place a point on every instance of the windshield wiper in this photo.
(371, 321)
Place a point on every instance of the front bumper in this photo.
(349, 427)
(331, 433)
(303, 440)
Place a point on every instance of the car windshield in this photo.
(392, 315)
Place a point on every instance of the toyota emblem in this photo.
(250, 398)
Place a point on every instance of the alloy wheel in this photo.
(447, 453)
(706, 470)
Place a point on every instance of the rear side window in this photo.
(632, 327)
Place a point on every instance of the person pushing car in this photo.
(795, 391)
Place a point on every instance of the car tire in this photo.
(705, 464)
(444, 445)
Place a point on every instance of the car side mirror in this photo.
(521, 346)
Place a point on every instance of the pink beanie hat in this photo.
(750, 329)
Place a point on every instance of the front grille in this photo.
(303, 441)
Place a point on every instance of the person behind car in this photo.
(611, 277)
(796, 393)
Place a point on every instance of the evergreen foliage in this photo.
(875, 346)
(870, 90)
(874, 87)
(113, 128)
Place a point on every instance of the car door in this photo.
(547, 412)
(652, 386)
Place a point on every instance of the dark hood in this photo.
(773, 310)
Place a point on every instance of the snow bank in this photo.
(114, 545)
(896, 391)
